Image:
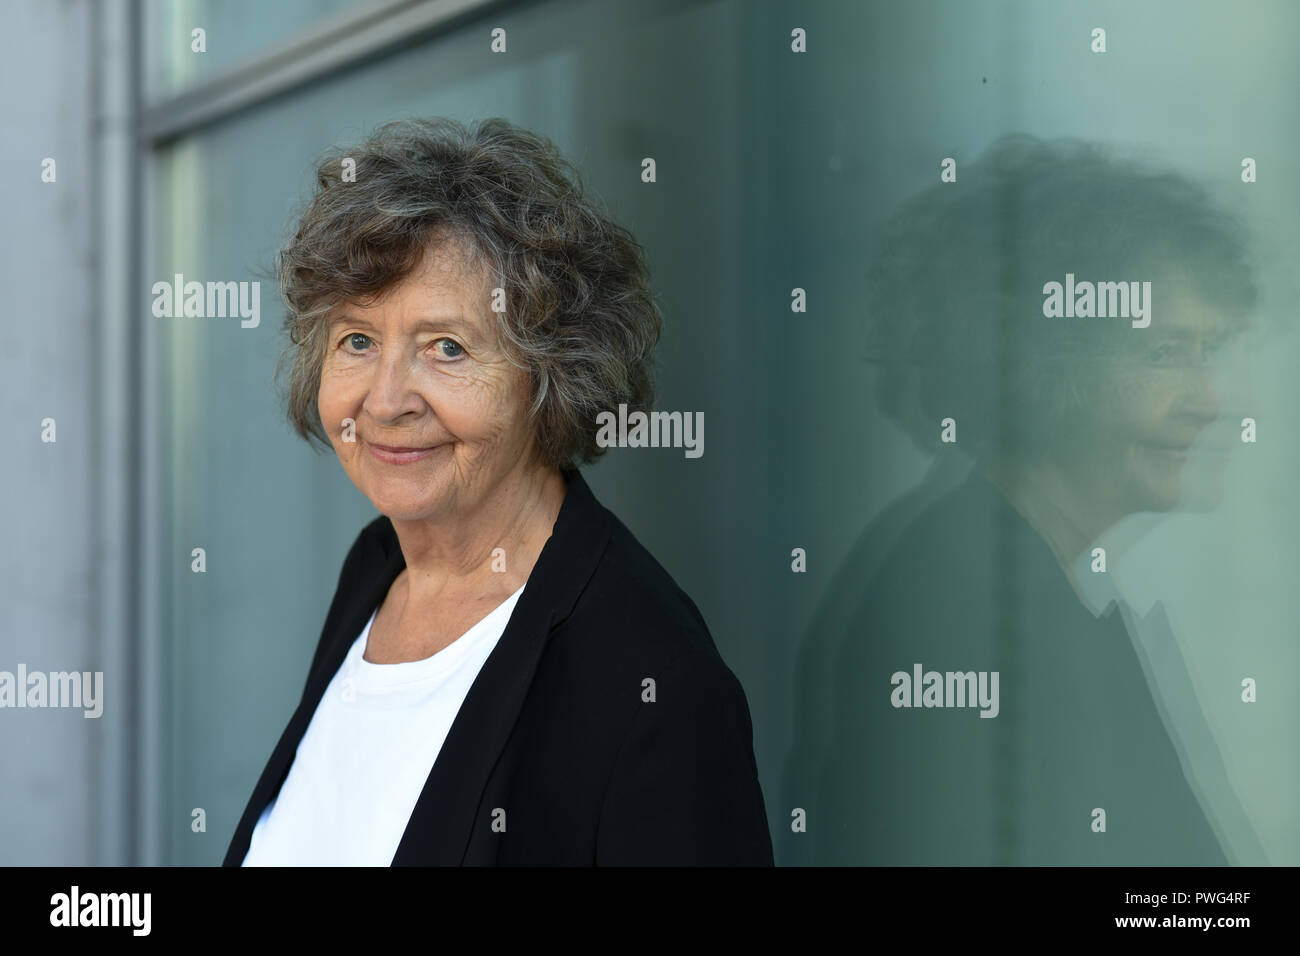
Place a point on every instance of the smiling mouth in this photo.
(400, 455)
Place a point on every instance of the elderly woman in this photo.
(505, 675)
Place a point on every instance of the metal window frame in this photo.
(340, 42)
(119, 585)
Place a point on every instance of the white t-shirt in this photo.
(365, 757)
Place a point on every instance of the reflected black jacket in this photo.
(554, 730)
(964, 583)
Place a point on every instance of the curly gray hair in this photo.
(580, 315)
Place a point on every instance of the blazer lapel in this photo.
(449, 808)
(341, 630)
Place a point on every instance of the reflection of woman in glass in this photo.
(1063, 427)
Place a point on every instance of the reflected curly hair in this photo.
(955, 292)
(580, 315)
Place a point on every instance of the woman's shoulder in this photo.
(633, 606)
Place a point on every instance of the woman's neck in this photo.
(1062, 513)
(492, 547)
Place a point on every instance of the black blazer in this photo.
(554, 731)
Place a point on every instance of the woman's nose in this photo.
(391, 394)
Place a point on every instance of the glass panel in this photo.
(779, 171)
(276, 520)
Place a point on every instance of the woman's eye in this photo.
(357, 342)
(448, 349)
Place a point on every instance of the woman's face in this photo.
(1152, 411)
(438, 409)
